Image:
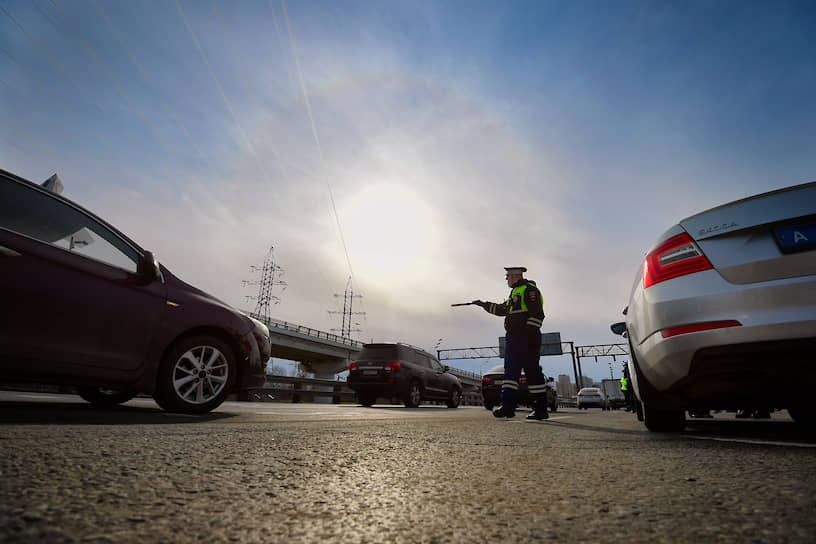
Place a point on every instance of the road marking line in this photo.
(760, 442)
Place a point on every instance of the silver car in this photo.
(722, 314)
(591, 397)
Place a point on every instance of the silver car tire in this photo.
(454, 397)
(664, 421)
(414, 395)
(196, 375)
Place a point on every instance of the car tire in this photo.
(413, 397)
(554, 407)
(639, 410)
(454, 397)
(664, 421)
(104, 398)
(196, 375)
(488, 405)
(366, 400)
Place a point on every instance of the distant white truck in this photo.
(614, 396)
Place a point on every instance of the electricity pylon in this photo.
(271, 275)
(348, 295)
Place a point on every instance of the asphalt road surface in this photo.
(274, 472)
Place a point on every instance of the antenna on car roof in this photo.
(53, 184)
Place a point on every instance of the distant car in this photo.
(591, 397)
(85, 306)
(402, 371)
(491, 390)
(722, 313)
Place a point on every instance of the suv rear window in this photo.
(379, 352)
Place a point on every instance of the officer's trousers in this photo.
(520, 353)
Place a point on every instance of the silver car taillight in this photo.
(675, 257)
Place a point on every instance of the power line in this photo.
(153, 86)
(147, 79)
(314, 132)
(15, 142)
(73, 80)
(71, 136)
(44, 50)
(59, 125)
(121, 89)
(217, 83)
(245, 81)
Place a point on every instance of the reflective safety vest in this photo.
(515, 302)
(624, 384)
(522, 310)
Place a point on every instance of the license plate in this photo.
(795, 238)
(370, 372)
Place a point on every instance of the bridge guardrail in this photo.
(465, 374)
(567, 402)
(301, 389)
(308, 331)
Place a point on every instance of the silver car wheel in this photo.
(413, 397)
(416, 394)
(200, 374)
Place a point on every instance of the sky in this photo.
(416, 147)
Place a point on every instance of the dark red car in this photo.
(84, 305)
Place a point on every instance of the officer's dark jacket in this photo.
(523, 309)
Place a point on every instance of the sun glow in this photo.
(390, 232)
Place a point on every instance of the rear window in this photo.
(378, 352)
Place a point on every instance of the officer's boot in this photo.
(508, 404)
(539, 410)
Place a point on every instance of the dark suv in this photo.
(85, 306)
(403, 371)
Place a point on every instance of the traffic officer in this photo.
(523, 315)
(627, 393)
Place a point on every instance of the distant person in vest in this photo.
(626, 387)
(523, 314)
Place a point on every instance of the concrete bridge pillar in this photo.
(327, 391)
(325, 370)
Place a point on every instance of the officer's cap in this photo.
(515, 269)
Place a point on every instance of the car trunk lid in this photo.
(765, 237)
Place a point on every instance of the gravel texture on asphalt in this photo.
(468, 478)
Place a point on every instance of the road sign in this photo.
(550, 344)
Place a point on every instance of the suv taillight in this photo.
(675, 257)
(353, 365)
(486, 380)
(392, 366)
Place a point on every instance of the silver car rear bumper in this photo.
(777, 311)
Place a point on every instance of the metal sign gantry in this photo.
(492, 352)
(577, 352)
(602, 350)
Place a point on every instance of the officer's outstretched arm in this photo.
(495, 309)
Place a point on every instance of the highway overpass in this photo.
(325, 354)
